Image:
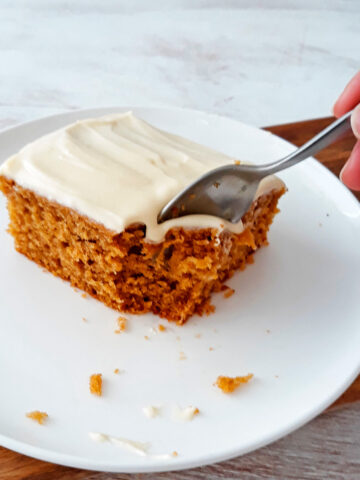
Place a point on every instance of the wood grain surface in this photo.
(327, 448)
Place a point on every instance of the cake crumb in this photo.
(146, 337)
(216, 184)
(237, 162)
(178, 338)
(268, 331)
(84, 319)
(161, 328)
(38, 416)
(182, 356)
(96, 384)
(276, 376)
(198, 335)
(117, 371)
(174, 453)
(151, 411)
(229, 384)
(186, 414)
(211, 349)
(84, 295)
(121, 325)
(229, 292)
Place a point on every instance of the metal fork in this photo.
(227, 192)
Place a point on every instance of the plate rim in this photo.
(181, 464)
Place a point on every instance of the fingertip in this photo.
(350, 173)
(336, 110)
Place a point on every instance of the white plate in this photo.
(293, 322)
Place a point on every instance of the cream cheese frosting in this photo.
(119, 170)
(139, 448)
(184, 414)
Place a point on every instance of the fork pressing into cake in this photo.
(228, 191)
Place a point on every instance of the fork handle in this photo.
(327, 136)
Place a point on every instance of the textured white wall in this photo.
(263, 62)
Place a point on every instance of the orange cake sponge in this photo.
(173, 279)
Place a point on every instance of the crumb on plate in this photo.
(229, 384)
(229, 292)
(151, 411)
(96, 384)
(121, 324)
(161, 328)
(37, 416)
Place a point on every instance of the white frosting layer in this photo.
(118, 170)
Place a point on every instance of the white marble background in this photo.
(264, 62)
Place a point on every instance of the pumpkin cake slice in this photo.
(83, 203)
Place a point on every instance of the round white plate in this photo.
(293, 322)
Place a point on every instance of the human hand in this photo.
(350, 97)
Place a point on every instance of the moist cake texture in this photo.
(98, 240)
(229, 384)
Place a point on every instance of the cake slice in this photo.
(83, 203)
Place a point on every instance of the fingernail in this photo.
(355, 121)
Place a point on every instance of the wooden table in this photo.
(327, 448)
